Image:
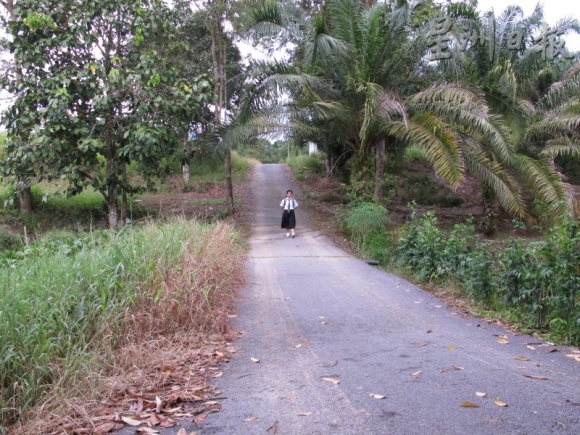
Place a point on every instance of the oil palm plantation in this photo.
(361, 72)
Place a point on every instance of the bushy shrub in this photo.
(433, 255)
(306, 166)
(539, 281)
(542, 279)
(366, 224)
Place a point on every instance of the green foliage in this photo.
(88, 106)
(540, 281)
(423, 190)
(306, 166)
(366, 224)
(208, 170)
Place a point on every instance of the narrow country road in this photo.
(312, 314)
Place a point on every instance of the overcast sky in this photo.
(554, 10)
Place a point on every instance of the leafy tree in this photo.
(98, 89)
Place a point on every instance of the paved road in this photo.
(375, 334)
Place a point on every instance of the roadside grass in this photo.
(207, 171)
(53, 210)
(68, 303)
(306, 166)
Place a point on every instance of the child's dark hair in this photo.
(289, 191)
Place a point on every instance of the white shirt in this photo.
(289, 203)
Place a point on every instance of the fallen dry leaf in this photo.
(417, 373)
(333, 380)
(450, 347)
(479, 394)
(574, 357)
(542, 378)
(469, 405)
(182, 431)
(503, 340)
(377, 396)
(297, 345)
(255, 360)
(458, 368)
(522, 358)
(105, 428)
(146, 429)
(218, 374)
(200, 418)
(245, 420)
(531, 347)
(305, 414)
(324, 323)
(131, 421)
(154, 420)
(499, 402)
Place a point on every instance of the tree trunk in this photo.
(379, 170)
(229, 186)
(185, 164)
(328, 164)
(123, 217)
(488, 220)
(112, 208)
(25, 196)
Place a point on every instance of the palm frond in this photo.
(562, 146)
(437, 140)
(501, 182)
(546, 182)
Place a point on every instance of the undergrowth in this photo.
(68, 302)
(534, 284)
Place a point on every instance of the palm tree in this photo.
(557, 131)
(509, 79)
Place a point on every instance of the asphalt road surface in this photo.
(330, 331)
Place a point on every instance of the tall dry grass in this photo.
(125, 290)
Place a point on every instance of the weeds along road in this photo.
(330, 331)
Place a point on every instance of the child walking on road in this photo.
(289, 204)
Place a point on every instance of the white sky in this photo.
(554, 10)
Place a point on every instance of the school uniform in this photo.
(288, 217)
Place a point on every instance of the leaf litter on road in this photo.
(469, 405)
(377, 396)
(499, 403)
(331, 379)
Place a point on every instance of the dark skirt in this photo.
(288, 220)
